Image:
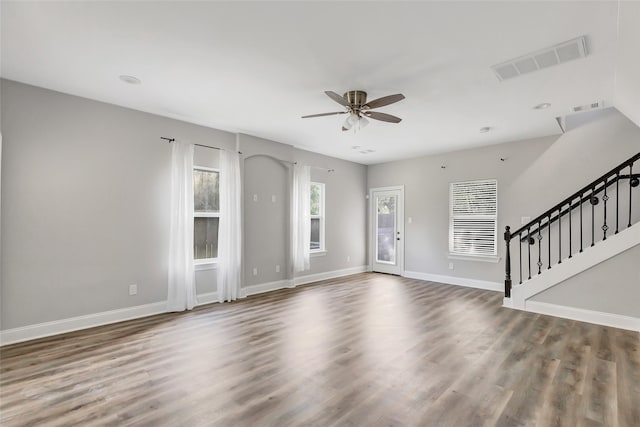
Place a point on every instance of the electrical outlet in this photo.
(255, 271)
(133, 289)
(273, 198)
(277, 268)
(410, 220)
(450, 266)
(255, 197)
(348, 258)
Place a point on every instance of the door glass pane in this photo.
(386, 229)
(205, 238)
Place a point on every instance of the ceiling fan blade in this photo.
(385, 100)
(339, 99)
(325, 114)
(382, 116)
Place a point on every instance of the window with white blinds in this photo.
(473, 218)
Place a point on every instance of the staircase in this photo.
(593, 224)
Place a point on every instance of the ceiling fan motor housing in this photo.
(357, 98)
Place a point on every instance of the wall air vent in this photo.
(554, 55)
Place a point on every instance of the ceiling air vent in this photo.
(588, 107)
(554, 55)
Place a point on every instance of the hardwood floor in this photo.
(368, 350)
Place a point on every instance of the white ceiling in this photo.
(256, 67)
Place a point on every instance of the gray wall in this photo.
(85, 204)
(345, 211)
(612, 286)
(267, 233)
(627, 83)
(535, 175)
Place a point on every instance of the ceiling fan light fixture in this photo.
(357, 108)
(347, 123)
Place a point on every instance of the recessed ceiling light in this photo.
(542, 106)
(485, 129)
(130, 79)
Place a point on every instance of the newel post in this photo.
(507, 263)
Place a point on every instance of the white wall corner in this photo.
(453, 280)
(582, 315)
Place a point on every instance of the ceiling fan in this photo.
(358, 108)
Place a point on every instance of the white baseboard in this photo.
(207, 298)
(583, 315)
(265, 287)
(452, 280)
(41, 330)
(310, 278)
(300, 280)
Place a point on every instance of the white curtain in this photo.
(230, 231)
(301, 217)
(182, 286)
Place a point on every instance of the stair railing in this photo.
(572, 206)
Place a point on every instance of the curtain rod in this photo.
(170, 140)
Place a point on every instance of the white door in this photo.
(387, 230)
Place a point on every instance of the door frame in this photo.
(400, 224)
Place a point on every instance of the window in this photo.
(317, 217)
(206, 213)
(473, 218)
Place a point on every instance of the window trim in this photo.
(493, 257)
(200, 214)
(323, 247)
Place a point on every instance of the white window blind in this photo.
(473, 218)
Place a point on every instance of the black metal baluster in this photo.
(605, 227)
(549, 236)
(630, 177)
(520, 252)
(560, 235)
(529, 249)
(593, 219)
(507, 263)
(570, 227)
(581, 201)
(539, 249)
(617, 198)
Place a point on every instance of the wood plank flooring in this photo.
(367, 350)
